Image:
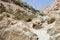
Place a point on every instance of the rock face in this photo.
(12, 21)
(52, 14)
(54, 6)
(17, 18)
(11, 29)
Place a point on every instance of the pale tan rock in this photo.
(52, 16)
(12, 8)
(55, 37)
(37, 23)
(11, 29)
(55, 31)
(18, 31)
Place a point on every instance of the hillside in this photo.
(13, 18)
(20, 21)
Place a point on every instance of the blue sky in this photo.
(38, 4)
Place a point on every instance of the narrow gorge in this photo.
(20, 21)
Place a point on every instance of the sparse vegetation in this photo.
(17, 2)
(24, 5)
(3, 9)
(24, 16)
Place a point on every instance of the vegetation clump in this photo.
(24, 16)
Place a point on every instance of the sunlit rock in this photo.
(11, 29)
(37, 23)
